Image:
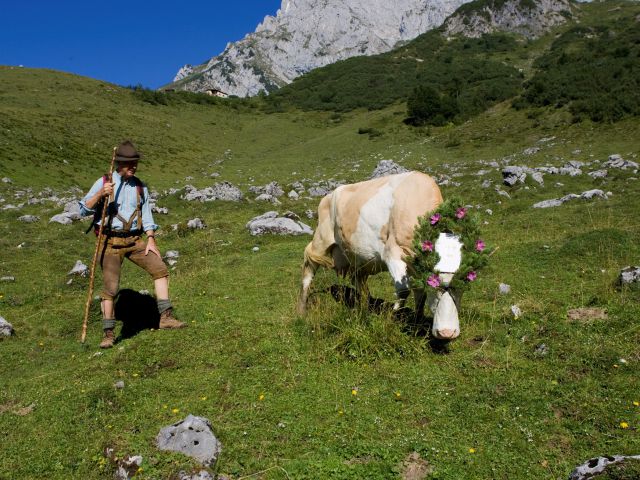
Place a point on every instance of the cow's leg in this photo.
(359, 281)
(420, 298)
(308, 271)
(398, 270)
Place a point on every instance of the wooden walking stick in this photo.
(105, 207)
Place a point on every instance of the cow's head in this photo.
(444, 302)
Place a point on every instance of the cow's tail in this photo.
(311, 257)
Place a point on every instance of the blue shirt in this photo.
(127, 200)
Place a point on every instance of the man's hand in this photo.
(107, 189)
(151, 246)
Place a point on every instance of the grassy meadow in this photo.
(340, 393)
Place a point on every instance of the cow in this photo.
(368, 227)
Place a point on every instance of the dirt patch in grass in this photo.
(415, 468)
(587, 314)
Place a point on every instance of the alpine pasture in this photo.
(342, 392)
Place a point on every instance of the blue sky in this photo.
(123, 42)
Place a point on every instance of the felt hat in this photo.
(126, 152)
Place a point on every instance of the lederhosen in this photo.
(116, 245)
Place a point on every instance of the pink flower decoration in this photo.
(471, 276)
(427, 246)
(433, 281)
(460, 213)
(480, 245)
(435, 218)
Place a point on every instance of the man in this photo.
(128, 217)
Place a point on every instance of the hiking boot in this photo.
(167, 320)
(108, 339)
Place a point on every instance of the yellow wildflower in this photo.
(136, 375)
(203, 398)
(472, 450)
(397, 394)
(175, 410)
(624, 425)
(354, 391)
(261, 397)
(636, 403)
(340, 412)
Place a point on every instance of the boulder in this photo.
(387, 167)
(318, 191)
(272, 189)
(192, 436)
(61, 218)
(265, 197)
(599, 465)
(598, 173)
(224, 191)
(6, 329)
(271, 223)
(79, 269)
(29, 218)
(616, 161)
(512, 174)
(629, 275)
(196, 224)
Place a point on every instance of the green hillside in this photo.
(595, 52)
(341, 393)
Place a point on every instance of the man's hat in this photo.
(126, 152)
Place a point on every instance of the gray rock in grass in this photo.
(629, 275)
(599, 465)
(29, 218)
(196, 224)
(387, 167)
(6, 329)
(271, 223)
(201, 475)
(128, 467)
(79, 269)
(8, 278)
(504, 289)
(192, 436)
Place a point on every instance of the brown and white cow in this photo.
(368, 227)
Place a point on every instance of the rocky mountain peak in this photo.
(530, 18)
(307, 34)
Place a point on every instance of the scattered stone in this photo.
(79, 269)
(293, 195)
(255, 249)
(29, 218)
(271, 223)
(596, 466)
(201, 475)
(504, 289)
(224, 191)
(8, 279)
(486, 183)
(61, 218)
(616, 161)
(127, 467)
(193, 437)
(515, 311)
(502, 193)
(586, 314)
(387, 167)
(272, 189)
(119, 384)
(171, 254)
(318, 191)
(512, 175)
(598, 173)
(160, 210)
(531, 151)
(555, 202)
(6, 180)
(265, 197)
(6, 329)
(541, 350)
(629, 275)
(310, 214)
(196, 224)
(298, 187)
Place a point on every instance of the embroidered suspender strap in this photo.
(126, 224)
